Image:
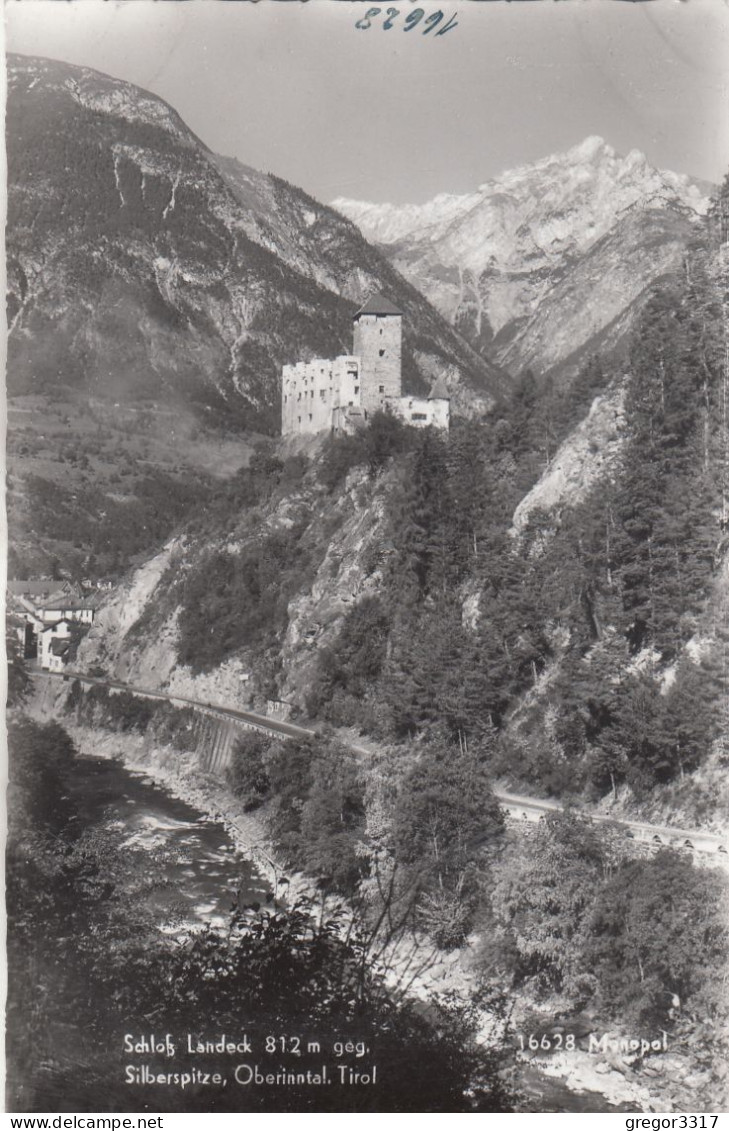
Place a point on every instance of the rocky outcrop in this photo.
(135, 637)
(588, 455)
(111, 644)
(343, 578)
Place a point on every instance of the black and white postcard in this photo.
(368, 550)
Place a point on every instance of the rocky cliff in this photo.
(136, 636)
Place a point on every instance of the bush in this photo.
(333, 820)
(384, 436)
(317, 815)
(339, 456)
(40, 758)
(445, 821)
(246, 774)
(347, 670)
(659, 932)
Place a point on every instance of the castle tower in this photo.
(378, 345)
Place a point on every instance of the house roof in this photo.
(53, 628)
(33, 588)
(378, 304)
(68, 604)
(439, 391)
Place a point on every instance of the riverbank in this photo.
(178, 773)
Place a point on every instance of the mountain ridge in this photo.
(493, 261)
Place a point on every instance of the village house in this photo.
(83, 611)
(37, 605)
(341, 394)
(50, 656)
(58, 644)
(38, 591)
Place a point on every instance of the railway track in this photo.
(519, 807)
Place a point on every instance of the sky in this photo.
(391, 115)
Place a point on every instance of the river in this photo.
(202, 873)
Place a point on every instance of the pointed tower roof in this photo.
(378, 304)
(439, 391)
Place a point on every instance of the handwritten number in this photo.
(364, 23)
(413, 18)
(434, 19)
(453, 22)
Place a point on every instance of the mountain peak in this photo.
(592, 147)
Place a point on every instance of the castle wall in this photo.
(312, 389)
(378, 345)
(420, 412)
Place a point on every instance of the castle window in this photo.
(299, 397)
(382, 353)
(322, 393)
(356, 388)
(299, 420)
(310, 417)
(382, 388)
(420, 416)
(380, 329)
(285, 398)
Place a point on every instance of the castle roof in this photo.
(439, 391)
(378, 304)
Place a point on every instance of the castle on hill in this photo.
(340, 395)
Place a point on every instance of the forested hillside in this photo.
(593, 637)
(380, 580)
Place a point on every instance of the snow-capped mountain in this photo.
(546, 256)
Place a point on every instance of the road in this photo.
(517, 805)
